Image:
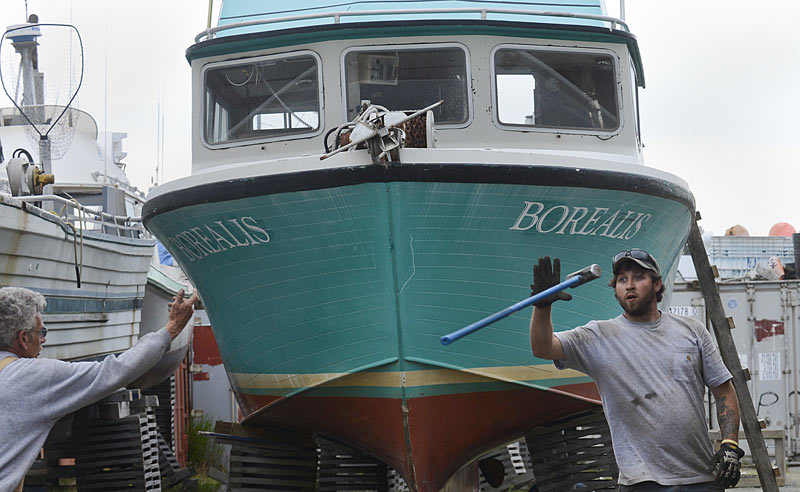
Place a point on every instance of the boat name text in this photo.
(209, 239)
(563, 219)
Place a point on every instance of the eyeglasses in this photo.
(42, 332)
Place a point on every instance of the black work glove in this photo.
(726, 465)
(546, 276)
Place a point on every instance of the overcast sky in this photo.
(720, 109)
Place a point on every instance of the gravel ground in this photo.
(792, 481)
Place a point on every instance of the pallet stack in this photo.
(165, 411)
(268, 459)
(516, 463)
(281, 460)
(116, 444)
(396, 483)
(573, 453)
(344, 468)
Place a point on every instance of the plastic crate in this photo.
(736, 256)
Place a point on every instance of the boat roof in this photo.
(304, 13)
(246, 25)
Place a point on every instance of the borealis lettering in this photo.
(205, 240)
(563, 219)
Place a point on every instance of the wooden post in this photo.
(722, 328)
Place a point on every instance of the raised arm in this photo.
(544, 343)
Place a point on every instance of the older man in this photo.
(35, 393)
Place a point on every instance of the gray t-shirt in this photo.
(652, 378)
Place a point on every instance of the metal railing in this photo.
(612, 22)
(118, 223)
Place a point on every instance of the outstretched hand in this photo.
(546, 276)
(180, 312)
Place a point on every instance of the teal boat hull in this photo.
(329, 291)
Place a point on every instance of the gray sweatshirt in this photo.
(35, 393)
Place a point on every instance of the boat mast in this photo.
(25, 42)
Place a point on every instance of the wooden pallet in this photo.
(395, 482)
(254, 469)
(117, 455)
(165, 414)
(342, 468)
(572, 451)
(167, 462)
(280, 459)
(516, 464)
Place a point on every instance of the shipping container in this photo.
(767, 317)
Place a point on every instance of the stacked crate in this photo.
(516, 463)
(574, 452)
(396, 482)
(344, 468)
(165, 411)
(117, 446)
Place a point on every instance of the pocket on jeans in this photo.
(684, 361)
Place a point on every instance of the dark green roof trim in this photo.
(443, 28)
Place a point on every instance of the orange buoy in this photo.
(782, 229)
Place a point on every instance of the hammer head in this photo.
(586, 274)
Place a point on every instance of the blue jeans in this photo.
(654, 487)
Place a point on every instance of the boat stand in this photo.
(574, 452)
(112, 445)
(267, 458)
(722, 328)
(279, 459)
(118, 451)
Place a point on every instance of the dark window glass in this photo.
(556, 89)
(273, 97)
(409, 79)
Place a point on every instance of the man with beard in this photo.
(651, 369)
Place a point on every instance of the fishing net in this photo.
(41, 69)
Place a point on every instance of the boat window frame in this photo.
(635, 101)
(257, 141)
(409, 46)
(615, 58)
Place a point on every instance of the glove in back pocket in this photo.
(684, 361)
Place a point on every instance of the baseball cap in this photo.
(639, 256)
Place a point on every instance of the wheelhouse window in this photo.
(556, 89)
(410, 79)
(261, 99)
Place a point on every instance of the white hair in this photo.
(18, 310)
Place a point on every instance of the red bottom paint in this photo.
(437, 436)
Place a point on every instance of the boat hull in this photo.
(99, 316)
(328, 293)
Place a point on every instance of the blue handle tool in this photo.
(573, 280)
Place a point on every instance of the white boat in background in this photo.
(80, 244)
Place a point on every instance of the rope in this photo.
(82, 222)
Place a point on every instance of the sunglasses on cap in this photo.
(640, 256)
